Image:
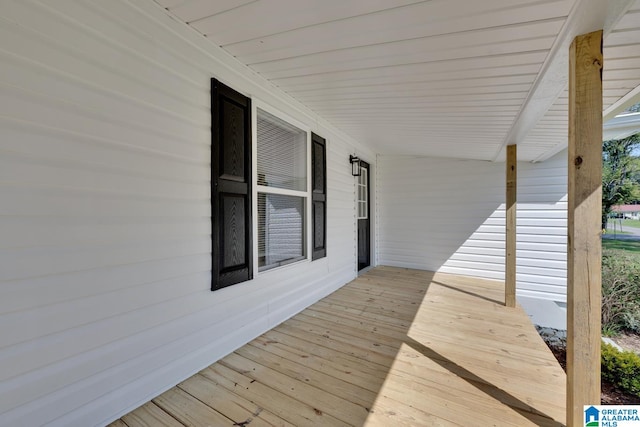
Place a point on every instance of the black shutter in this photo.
(231, 251)
(319, 195)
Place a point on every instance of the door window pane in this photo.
(362, 199)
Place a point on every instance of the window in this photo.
(284, 201)
(282, 191)
(363, 202)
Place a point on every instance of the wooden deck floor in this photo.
(393, 347)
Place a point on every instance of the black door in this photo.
(364, 222)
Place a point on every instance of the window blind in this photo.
(281, 229)
(282, 153)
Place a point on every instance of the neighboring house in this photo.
(117, 217)
(627, 211)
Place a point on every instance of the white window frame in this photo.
(362, 177)
(255, 105)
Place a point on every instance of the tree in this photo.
(620, 174)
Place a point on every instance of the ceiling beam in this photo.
(585, 16)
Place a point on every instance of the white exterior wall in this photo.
(105, 229)
(449, 216)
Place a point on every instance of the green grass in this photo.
(629, 223)
(624, 245)
(617, 232)
(625, 224)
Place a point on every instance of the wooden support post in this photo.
(584, 210)
(510, 243)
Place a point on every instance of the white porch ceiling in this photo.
(442, 78)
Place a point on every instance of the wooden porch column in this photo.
(584, 245)
(510, 241)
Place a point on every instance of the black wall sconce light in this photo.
(355, 165)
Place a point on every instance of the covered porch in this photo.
(393, 347)
(110, 222)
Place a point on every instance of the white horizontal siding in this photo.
(448, 215)
(105, 256)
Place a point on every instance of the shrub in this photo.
(620, 291)
(621, 368)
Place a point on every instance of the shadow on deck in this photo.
(393, 347)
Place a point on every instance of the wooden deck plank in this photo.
(337, 345)
(404, 364)
(344, 410)
(117, 423)
(483, 341)
(395, 412)
(435, 304)
(520, 342)
(286, 407)
(383, 351)
(350, 368)
(150, 415)
(385, 410)
(190, 411)
(309, 375)
(394, 347)
(496, 356)
(394, 337)
(230, 404)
